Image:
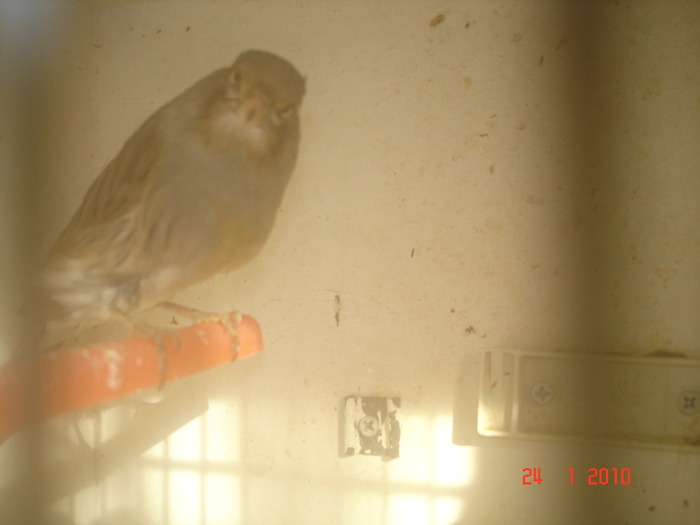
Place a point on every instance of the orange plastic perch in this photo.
(79, 378)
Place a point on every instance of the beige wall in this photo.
(504, 178)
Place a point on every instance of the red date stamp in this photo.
(594, 476)
(531, 476)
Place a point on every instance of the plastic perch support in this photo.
(83, 377)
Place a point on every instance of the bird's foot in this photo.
(231, 321)
(159, 336)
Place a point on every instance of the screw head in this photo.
(689, 402)
(541, 393)
(368, 426)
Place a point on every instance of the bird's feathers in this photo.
(194, 191)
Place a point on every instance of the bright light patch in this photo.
(446, 510)
(186, 443)
(413, 464)
(452, 464)
(222, 437)
(222, 498)
(408, 508)
(184, 505)
(153, 492)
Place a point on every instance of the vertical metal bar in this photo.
(26, 34)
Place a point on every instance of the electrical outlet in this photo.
(647, 401)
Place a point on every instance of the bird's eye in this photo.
(286, 111)
(236, 78)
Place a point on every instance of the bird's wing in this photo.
(108, 215)
(91, 265)
(103, 223)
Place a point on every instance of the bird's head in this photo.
(260, 100)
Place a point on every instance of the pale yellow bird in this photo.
(193, 192)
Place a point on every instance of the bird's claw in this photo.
(159, 339)
(159, 335)
(200, 316)
(233, 330)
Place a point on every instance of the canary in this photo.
(193, 192)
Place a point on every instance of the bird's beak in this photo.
(254, 110)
